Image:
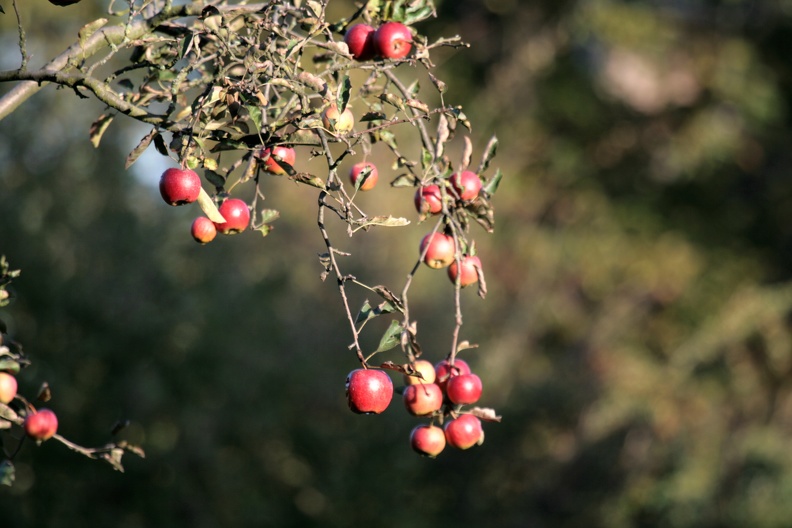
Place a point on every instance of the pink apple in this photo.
(427, 440)
(41, 425)
(425, 368)
(360, 41)
(467, 185)
(429, 200)
(179, 186)
(285, 154)
(336, 121)
(203, 230)
(356, 173)
(368, 391)
(422, 399)
(8, 387)
(440, 250)
(464, 432)
(236, 214)
(393, 40)
(469, 263)
(464, 389)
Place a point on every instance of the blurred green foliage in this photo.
(636, 337)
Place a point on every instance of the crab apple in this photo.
(41, 425)
(8, 387)
(427, 371)
(368, 391)
(468, 275)
(236, 214)
(423, 399)
(428, 440)
(464, 389)
(467, 185)
(336, 121)
(464, 432)
(360, 41)
(440, 250)
(203, 230)
(356, 172)
(179, 186)
(429, 199)
(285, 154)
(444, 371)
(393, 40)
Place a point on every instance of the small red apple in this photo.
(8, 387)
(284, 154)
(444, 370)
(464, 389)
(429, 200)
(356, 173)
(236, 214)
(179, 186)
(428, 440)
(422, 399)
(203, 230)
(464, 432)
(427, 371)
(469, 263)
(467, 184)
(368, 391)
(393, 40)
(360, 41)
(336, 121)
(440, 250)
(41, 425)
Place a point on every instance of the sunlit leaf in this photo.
(140, 148)
(209, 208)
(390, 338)
(98, 128)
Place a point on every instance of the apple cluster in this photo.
(392, 40)
(435, 391)
(39, 425)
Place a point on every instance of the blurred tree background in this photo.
(636, 337)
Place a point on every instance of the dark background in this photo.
(636, 337)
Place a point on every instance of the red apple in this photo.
(356, 172)
(41, 425)
(203, 230)
(179, 186)
(467, 184)
(429, 200)
(360, 41)
(368, 391)
(427, 371)
(464, 432)
(428, 440)
(422, 399)
(284, 154)
(393, 40)
(440, 250)
(236, 214)
(469, 263)
(8, 387)
(464, 389)
(336, 121)
(444, 370)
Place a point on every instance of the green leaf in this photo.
(426, 159)
(8, 413)
(269, 215)
(390, 338)
(141, 147)
(255, 115)
(372, 116)
(344, 90)
(489, 153)
(492, 184)
(214, 178)
(159, 144)
(264, 229)
(9, 365)
(404, 180)
(7, 473)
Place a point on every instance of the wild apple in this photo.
(422, 399)
(41, 425)
(464, 432)
(336, 121)
(368, 391)
(360, 41)
(179, 186)
(236, 214)
(464, 389)
(8, 387)
(428, 200)
(365, 170)
(393, 40)
(428, 440)
(427, 371)
(284, 154)
(444, 370)
(203, 230)
(468, 275)
(467, 185)
(440, 250)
